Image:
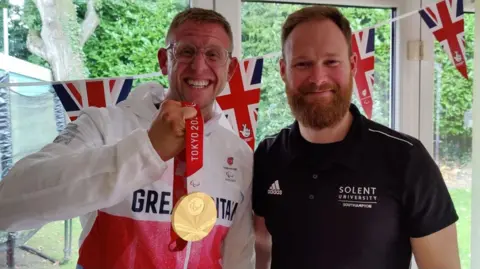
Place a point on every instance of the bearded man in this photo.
(336, 190)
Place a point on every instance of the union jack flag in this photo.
(445, 20)
(363, 45)
(78, 95)
(240, 98)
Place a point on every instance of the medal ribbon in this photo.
(192, 158)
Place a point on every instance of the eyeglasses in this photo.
(215, 56)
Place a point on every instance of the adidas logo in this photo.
(275, 189)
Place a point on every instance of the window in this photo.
(124, 43)
(259, 40)
(452, 141)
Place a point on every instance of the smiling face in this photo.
(318, 73)
(198, 80)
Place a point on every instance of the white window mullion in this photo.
(207, 4)
(427, 86)
(407, 97)
(475, 211)
(232, 10)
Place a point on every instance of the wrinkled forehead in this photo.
(201, 34)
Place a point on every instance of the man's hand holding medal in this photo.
(177, 132)
(167, 132)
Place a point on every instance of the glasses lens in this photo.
(184, 52)
(213, 55)
(216, 56)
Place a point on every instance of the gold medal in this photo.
(194, 216)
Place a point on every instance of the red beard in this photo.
(320, 114)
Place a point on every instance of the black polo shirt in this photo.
(352, 204)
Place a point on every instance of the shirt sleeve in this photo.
(428, 203)
(258, 190)
(239, 244)
(75, 175)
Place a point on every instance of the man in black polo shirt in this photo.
(335, 190)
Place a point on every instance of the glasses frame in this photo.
(172, 47)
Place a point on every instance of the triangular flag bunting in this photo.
(363, 46)
(241, 97)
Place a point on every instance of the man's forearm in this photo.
(437, 250)
(263, 256)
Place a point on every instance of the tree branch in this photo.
(36, 45)
(90, 22)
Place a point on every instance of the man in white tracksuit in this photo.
(113, 166)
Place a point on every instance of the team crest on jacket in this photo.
(230, 170)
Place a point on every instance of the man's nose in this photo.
(199, 62)
(318, 75)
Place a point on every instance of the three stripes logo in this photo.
(275, 189)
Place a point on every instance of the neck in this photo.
(207, 113)
(327, 135)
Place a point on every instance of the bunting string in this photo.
(241, 97)
(454, 8)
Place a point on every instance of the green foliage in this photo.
(24, 18)
(259, 40)
(129, 36)
(31, 20)
(456, 98)
(455, 91)
(18, 26)
(31, 16)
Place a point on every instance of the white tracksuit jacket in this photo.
(104, 169)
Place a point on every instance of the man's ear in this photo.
(283, 66)
(163, 60)
(231, 67)
(353, 64)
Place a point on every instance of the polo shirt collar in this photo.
(348, 152)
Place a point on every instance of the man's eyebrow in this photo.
(331, 54)
(300, 58)
(303, 56)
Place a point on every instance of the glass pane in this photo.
(258, 40)
(125, 43)
(453, 132)
(32, 117)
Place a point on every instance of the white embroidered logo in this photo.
(245, 131)
(275, 189)
(357, 196)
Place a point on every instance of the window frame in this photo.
(405, 73)
(475, 210)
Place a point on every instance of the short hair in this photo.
(317, 12)
(200, 15)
